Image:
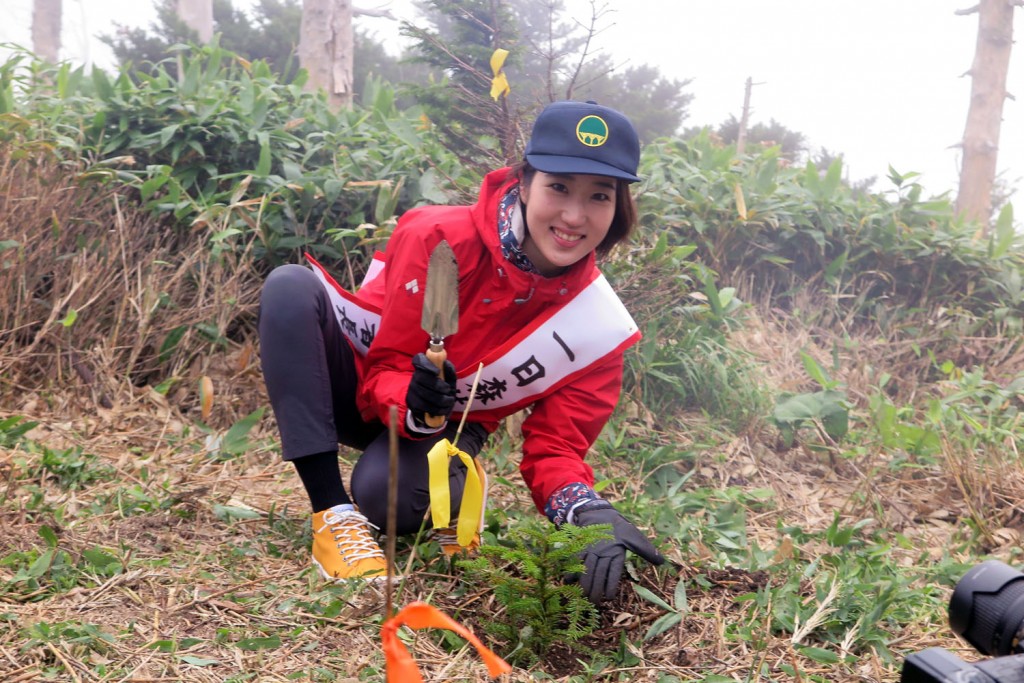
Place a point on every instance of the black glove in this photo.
(605, 559)
(429, 393)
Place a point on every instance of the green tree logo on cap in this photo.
(592, 131)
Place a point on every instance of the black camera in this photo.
(986, 610)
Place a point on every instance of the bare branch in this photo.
(480, 77)
(592, 31)
(597, 76)
(548, 50)
(473, 19)
(965, 12)
(549, 55)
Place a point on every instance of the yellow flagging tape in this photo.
(499, 84)
(440, 495)
(418, 615)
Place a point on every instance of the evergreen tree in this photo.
(457, 40)
(552, 58)
(271, 33)
(793, 143)
(656, 105)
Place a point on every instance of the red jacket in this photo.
(563, 424)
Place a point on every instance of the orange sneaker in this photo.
(343, 547)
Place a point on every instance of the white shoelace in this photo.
(351, 532)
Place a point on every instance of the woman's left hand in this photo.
(604, 560)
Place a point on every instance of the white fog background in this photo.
(879, 81)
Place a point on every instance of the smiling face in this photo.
(567, 217)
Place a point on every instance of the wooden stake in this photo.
(392, 521)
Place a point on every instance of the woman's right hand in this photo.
(429, 393)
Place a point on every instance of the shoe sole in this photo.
(338, 579)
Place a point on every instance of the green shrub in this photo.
(13, 429)
(828, 410)
(686, 359)
(784, 229)
(223, 145)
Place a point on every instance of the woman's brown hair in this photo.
(623, 221)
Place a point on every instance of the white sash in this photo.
(358, 320)
(534, 362)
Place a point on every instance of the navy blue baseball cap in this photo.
(584, 137)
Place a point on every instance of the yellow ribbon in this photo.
(499, 84)
(440, 496)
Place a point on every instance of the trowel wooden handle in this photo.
(437, 355)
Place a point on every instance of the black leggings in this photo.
(310, 372)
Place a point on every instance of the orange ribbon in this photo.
(400, 666)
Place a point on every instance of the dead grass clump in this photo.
(98, 297)
(891, 341)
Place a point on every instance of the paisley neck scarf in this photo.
(512, 230)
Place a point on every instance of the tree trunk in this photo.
(326, 47)
(46, 25)
(198, 16)
(741, 134)
(985, 114)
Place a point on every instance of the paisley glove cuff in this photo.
(576, 496)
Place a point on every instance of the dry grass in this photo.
(189, 573)
(96, 293)
(196, 581)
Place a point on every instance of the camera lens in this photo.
(987, 608)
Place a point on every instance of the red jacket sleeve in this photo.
(563, 426)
